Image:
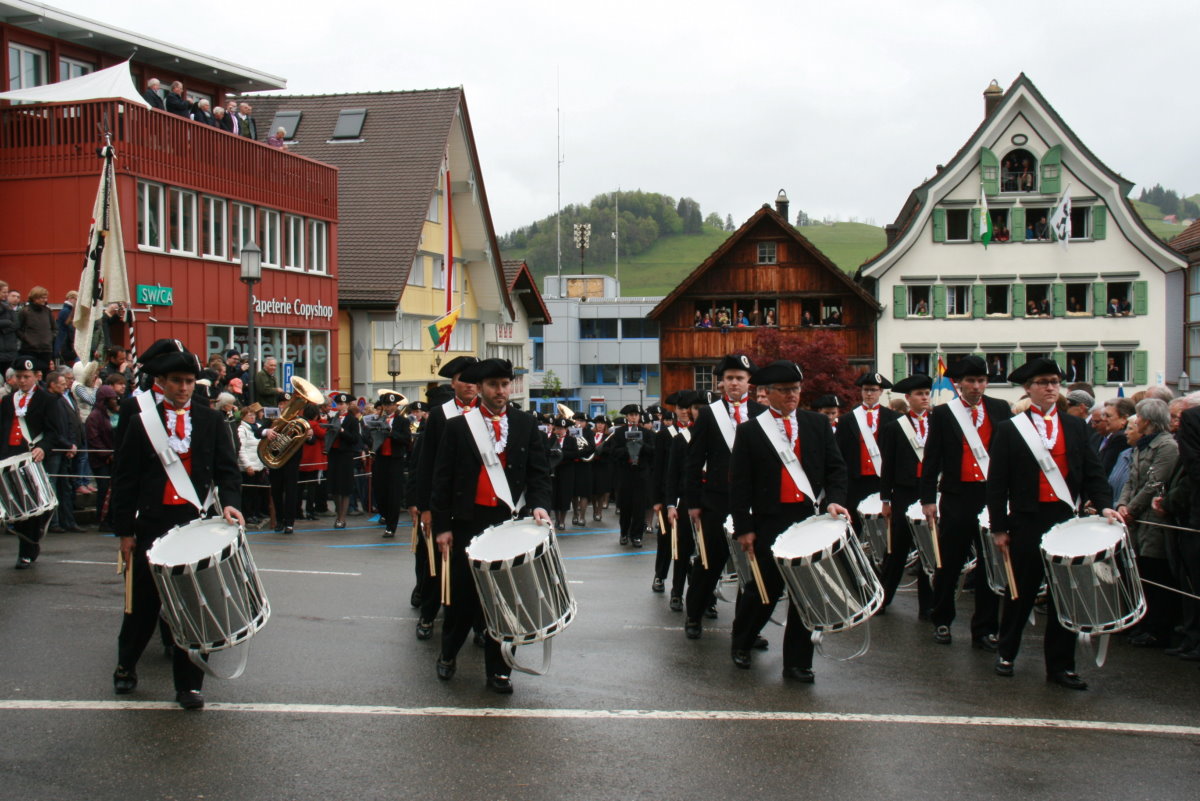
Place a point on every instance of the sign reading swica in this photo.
(295, 307)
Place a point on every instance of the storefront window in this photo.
(318, 362)
(308, 351)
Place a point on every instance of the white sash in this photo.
(868, 438)
(783, 449)
(686, 433)
(724, 423)
(673, 431)
(156, 432)
(486, 445)
(30, 442)
(971, 434)
(450, 409)
(1041, 455)
(910, 433)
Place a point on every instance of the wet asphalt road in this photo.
(340, 700)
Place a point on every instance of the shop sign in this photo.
(155, 295)
(294, 307)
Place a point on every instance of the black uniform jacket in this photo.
(899, 459)
(849, 442)
(400, 434)
(664, 443)
(456, 471)
(676, 466)
(754, 491)
(1012, 485)
(139, 479)
(421, 485)
(944, 448)
(42, 418)
(707, 473)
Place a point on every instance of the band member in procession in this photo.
(491, 464)
(312, 462)
(785, 468)
(285, 480)
(856, 435)
(667, 433)
(679, 540)
(706, 488)
(391, 437)
(902, 445)
(343, 441)
(956, 465)
(1035, 457)
(444, 406)
(31, 424)
(632, 452)
(830, 406)
(151, 495)
(563, 453)
(601, 467)
(582, 468)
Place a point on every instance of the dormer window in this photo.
(350, 123)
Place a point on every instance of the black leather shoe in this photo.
(711, 612)
(124, 681)
(760, 644)
(446, 668)
(1068, 679)
(802, 675)
(657, 585)
(596, 518)
(289, 530)
(741, 658)
(389, 534)
(190, 699)
(1147, 640)
(676, 603)
(636, 542)
(23, 563)
(57, 530)
(985, 643)
(501, 685)
(1003, 667)
(479, 639)
(339, 523)
(941, 635)
(424, 629)
(692, 629)
(624, 540)
(414, 600)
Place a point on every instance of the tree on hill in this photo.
(820, 356)
(801, 218)
(729, 226)
(713, 220)
(1169, 202)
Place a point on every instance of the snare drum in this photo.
(827, 574)
(522, 586)
(25, 489)
(993, 560)
(925, 539)
(211, 594)
(874, 527)
(738, 558)
(1092, 572)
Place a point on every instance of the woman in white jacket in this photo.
(253, 471)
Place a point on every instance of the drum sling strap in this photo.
(911, 435)
(868, 438)
(1045, 462)
(486, 445)
(791, 462)
(971, 435)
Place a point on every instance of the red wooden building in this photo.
(190, 196)
(765, 274)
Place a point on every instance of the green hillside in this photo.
(1152, 215)
(846, 244)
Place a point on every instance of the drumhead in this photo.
(871, 505)
(508, 541)
(915, 512)
(985, 519)
(1081, 537)
(193, 542)
(808, 537)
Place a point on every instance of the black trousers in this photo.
(1162, 606)
(431, 591)
(958, 528)
(387, 477)
(464, 610)
(633, 502)
(702, 582)
(29, 535)
(306, 492)
(686, 546)
(895, 561)
(284, 486)
(1025, 540)
(752, 614)
(139, 626)
(1183, 554)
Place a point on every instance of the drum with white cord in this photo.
(1091, 569)
(874, 527)
(25, 489)
(993, 560)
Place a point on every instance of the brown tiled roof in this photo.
(385, 182)
(1187, 241)
(517, 276)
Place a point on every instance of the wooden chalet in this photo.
(765, 275)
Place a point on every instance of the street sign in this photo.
(155, 295)
(289, 370)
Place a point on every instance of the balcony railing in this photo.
(61, 139)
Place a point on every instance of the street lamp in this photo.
(251, 275)
(393, 367)
(583, 240)
(641, 392)
(1184, 383)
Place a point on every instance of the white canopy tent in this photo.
(102, 84)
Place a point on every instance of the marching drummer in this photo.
(857, 432)
(158, 487)
(391, 438)
(785, 468)
(491, 464)
(1041, 465)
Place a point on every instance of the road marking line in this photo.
(609, 555)
(260, 570)
(84, 562)
(618, 714)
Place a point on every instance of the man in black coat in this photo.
(146, 504)
(689, 403)
(631, 451)
(856, 435)
(1185, 549)
(765, 501)
(390, 440)
(153, 95)
(958, 470)
(177, 102)
(706, 487)
(60, 463)
(1023, 506)
(30, 423)
(465, 501)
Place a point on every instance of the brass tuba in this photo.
(291, 430)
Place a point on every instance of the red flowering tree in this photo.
(820, 355)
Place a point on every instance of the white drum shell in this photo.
(739, 558)
(1092, 571)
(923, 537)
(521, 582)
(211, 594)
(25, 489)
(993, 560)
(874, 527)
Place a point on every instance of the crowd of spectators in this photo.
(234, 117)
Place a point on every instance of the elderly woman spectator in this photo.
(253, 475)
(98, 430)
(277, 139)
(1154, 453)
(83, 392)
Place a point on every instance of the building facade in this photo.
(1101, 304)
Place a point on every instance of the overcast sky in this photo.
(846, 106)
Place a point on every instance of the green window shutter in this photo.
(899, 366)
(1017, 359)
(939, 225)
(978, 304)
(1051, 170)
(939, 300)
(1060, 357)
(1059, 292)
(899, 301)
(1099, 222)
(1016, 224)
(1099, 299)
(1140, 365)
(1018, 296)
(989, 171)
(1141, 298)
(975, 233)
(1100, 368)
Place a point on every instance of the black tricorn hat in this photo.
(599, 419)
(733, 363)
(672, 399)
(827, 402)
(631, 408)
(341, 397)
(777, 372)
(456, 365)
(418, 406)
(689, 397)
(159, 347)
(560, 422)
(873, 379)
(27, 362)
(174, 361)
(1031, 370)
(390, 397)
(967, 366)
(488, 368)
(912, 383)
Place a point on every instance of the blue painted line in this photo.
(610, 555)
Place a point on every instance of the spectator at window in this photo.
(996, 369)
(1114, 307)
(743, 320)
(835, 317)
(1073, 372)
(699, 319)
(153, 94)
(1115, 373)
(202, 114)
(922, 309)
(1126, 308)
(1031, 309)
(1029, 231)
(770, 317)
(1073, 306)
(806, 319)
(1026, 181)
(707, 322)
(1002, 234)
(1010, 177)
(231, 122)
(176, 102)
(755, 318)
(1044, 307)
(276, 139)
(1043, 229)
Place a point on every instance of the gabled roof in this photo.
(387, 179)
(766, 212)
(1187, 241)
(916, 205)
(520, 281)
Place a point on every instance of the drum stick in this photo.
(124, 568)
(700, 544)
(675, 539)
(446, 579)
(937, 550)
(662, 525)
(758, 579)
(432, 555)
(414, 537)
(888, 522)
(1008, 573)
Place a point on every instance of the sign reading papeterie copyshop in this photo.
(155, 295)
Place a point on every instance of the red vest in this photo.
(788, 491)
(970, 467)
(1059, 454)
(866, 466)
(386, 448)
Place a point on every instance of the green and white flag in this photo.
(985, 219)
